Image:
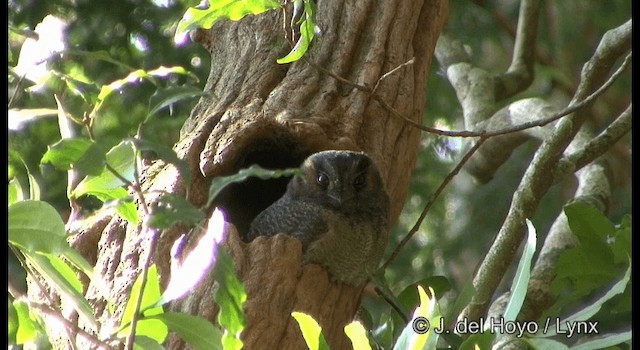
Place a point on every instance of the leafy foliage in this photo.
(120, 76)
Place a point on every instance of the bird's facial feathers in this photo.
(339, 180)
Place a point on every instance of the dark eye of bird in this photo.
(359, 182)
(323, 180)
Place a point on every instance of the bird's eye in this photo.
(323, 180)
(359, 182)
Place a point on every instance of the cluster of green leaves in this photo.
(237, 9)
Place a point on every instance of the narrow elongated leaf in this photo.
(587, 312)
(166, 97)
(150, 298)
(521, 279)
(36, 227)
(219, 183)
(419, 332)
(307, 32)
(230, 296)
(64, 280)
(107, 185)
(195, 330)
(311, 331)
(604, 341)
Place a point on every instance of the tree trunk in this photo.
(260, 112)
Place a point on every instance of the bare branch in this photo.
(520, 74)
(536, 180)
(432, 200)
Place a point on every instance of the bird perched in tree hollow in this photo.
(339, 209)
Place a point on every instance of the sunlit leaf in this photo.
(521, 279)
(107, 185)
(221, 9)
(230, 296)
(64, 280)
(196, 331)
(419, 332)
(311, 331)
(15, 191)
(151, 328)
(358, 336)
(27, 329)
(307, 32)
(80, 153)
(36, 227)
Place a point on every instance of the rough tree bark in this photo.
(259, 112)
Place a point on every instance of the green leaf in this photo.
(232, 9)
(621, 245)
(307, 32)
(196, 331)
(591, 264)
(383, 334)
(62, 277)
(542, 343)
(587, 312)
(15, 191)
(168, 96)
(34, 188)
(419, 332)
(311, 331)
(142, 342)
(603, 341)
(230, 296)
(482, 341)
(106, 185)
(42, 232)
(148, 306)
(36, 227)
(127, 210)
(80, 153)
(165, 153)
(27, 329)
(219, 183)
(588, 223)
(521, 279)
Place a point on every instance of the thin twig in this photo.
(432, 200)
(481, 133)
(389, 73)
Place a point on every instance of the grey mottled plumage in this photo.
(339, 209)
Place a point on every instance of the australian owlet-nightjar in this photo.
(339, 209)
